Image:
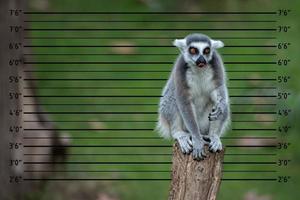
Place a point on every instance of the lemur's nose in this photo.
(201, 62)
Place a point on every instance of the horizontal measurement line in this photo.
(252, 79)
(137, 37)
(139, 179)
(89, 129)
(152, 29)
(103, 154)
(93, 179)
(73, 71)
(254, 121)
(68, 104)
(269, 87)
(100, 54)
(93, 87)
(139, 54)
(142, 121)
(126, 129)
(150, 46)
(253, 104)
(249, 54)
(95, 96)
(254, 112)
(272, 146)
(144, 171)
(125, 146)
(144, 21)
(140, 163)
(114, 163)
(143, 154)
(89, 112)
(265, 96)
(129, 96)
(249, 137)
(135, 138)
(249, 179)
(136, 112)
(136, 121)
(100, 62)
(136, 146)
(151, 13)
(122, 79)
(252, 129)
(251, 71)
(249, 154)
(104, 138)
(119, 88)
(135, 63)
(133, 71)
(94, 79)
(101, 171)
(116, 104)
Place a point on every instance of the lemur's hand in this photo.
(217, 112)
(198, 148)
(214, 142)
(185, 143)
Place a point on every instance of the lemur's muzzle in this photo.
(201, 62)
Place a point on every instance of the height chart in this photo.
(81, 82)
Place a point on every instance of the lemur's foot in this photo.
(214, 143)
(185, 144)
(198, 148)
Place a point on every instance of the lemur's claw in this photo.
(215, 144)
(185, 144)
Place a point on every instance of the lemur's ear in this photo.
(180, 43)
(216, 44)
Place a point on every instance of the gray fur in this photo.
(197, 37)
(194, 105)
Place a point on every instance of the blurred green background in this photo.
(129, 190)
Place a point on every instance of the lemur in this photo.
(194, 107)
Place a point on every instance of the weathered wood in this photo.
(195, 180)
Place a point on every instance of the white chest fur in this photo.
(200, 82)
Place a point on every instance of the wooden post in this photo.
(195, 180)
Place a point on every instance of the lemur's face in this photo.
(198, 52)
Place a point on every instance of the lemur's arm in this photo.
(219, 96)
(220, 99)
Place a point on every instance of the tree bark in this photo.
(10, 189)
(195, 180)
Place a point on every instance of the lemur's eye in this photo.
(206, 51)
(193, 50)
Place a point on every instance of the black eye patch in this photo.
(206, 51)
(193, 50)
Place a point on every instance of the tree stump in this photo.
(195, 180)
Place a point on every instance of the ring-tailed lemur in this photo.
(194, 107)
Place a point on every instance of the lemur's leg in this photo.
(215, 131)
(183, 137)
(218, 118)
